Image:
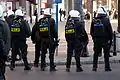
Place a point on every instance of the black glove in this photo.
(110, 42)
(56, 42)
(33, 42)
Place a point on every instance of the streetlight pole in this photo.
(39, 9)
(57, 24)
(78, 6)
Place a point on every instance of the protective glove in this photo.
(33, 42)
(56, 42)
(110, 42)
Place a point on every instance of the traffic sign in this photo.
(58, 1)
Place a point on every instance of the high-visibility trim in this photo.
(44, 29)
(70, 31)
(15, 29)
(98, 25)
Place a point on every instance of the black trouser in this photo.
(37, 52)
(2, 69)
(73, 45)
(98, 45)
(19, 46)
(47, 44)
(18, 53)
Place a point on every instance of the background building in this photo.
(30, 5)
(108, 4)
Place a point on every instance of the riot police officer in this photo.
(101, 32)
(20, 30)
(10, 17)
(75, 35)
(4, 43)
(35, 37)
(48, 36)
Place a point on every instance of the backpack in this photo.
(44, 28)
(70, 31)
(16, 28)
(99, 29)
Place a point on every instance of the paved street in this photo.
(61, 74)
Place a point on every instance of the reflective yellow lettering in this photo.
(70, 31)
(44, 29)
(15, 29)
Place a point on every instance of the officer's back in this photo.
(80, 31)
(101, 33)
(51, 21)
(107, 34)
(20, 28)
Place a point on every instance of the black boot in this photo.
(94, 69)
(68, 62)
(79, 69)
(43, 63)
(78, 65)
(67, 69)
(36, 64)
(27, 68)
(42, 68)
(52, 65)
(53, 68)
(12, 66)
(108, 69)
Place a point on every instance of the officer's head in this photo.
(70, 21)
(1, 13)
(10, 12)
(19, 13)
(47, 12)
(74, 14)
(101, 12)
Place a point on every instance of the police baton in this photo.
(114, 43)
(56, 43)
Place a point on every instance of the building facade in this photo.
(108, 4)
